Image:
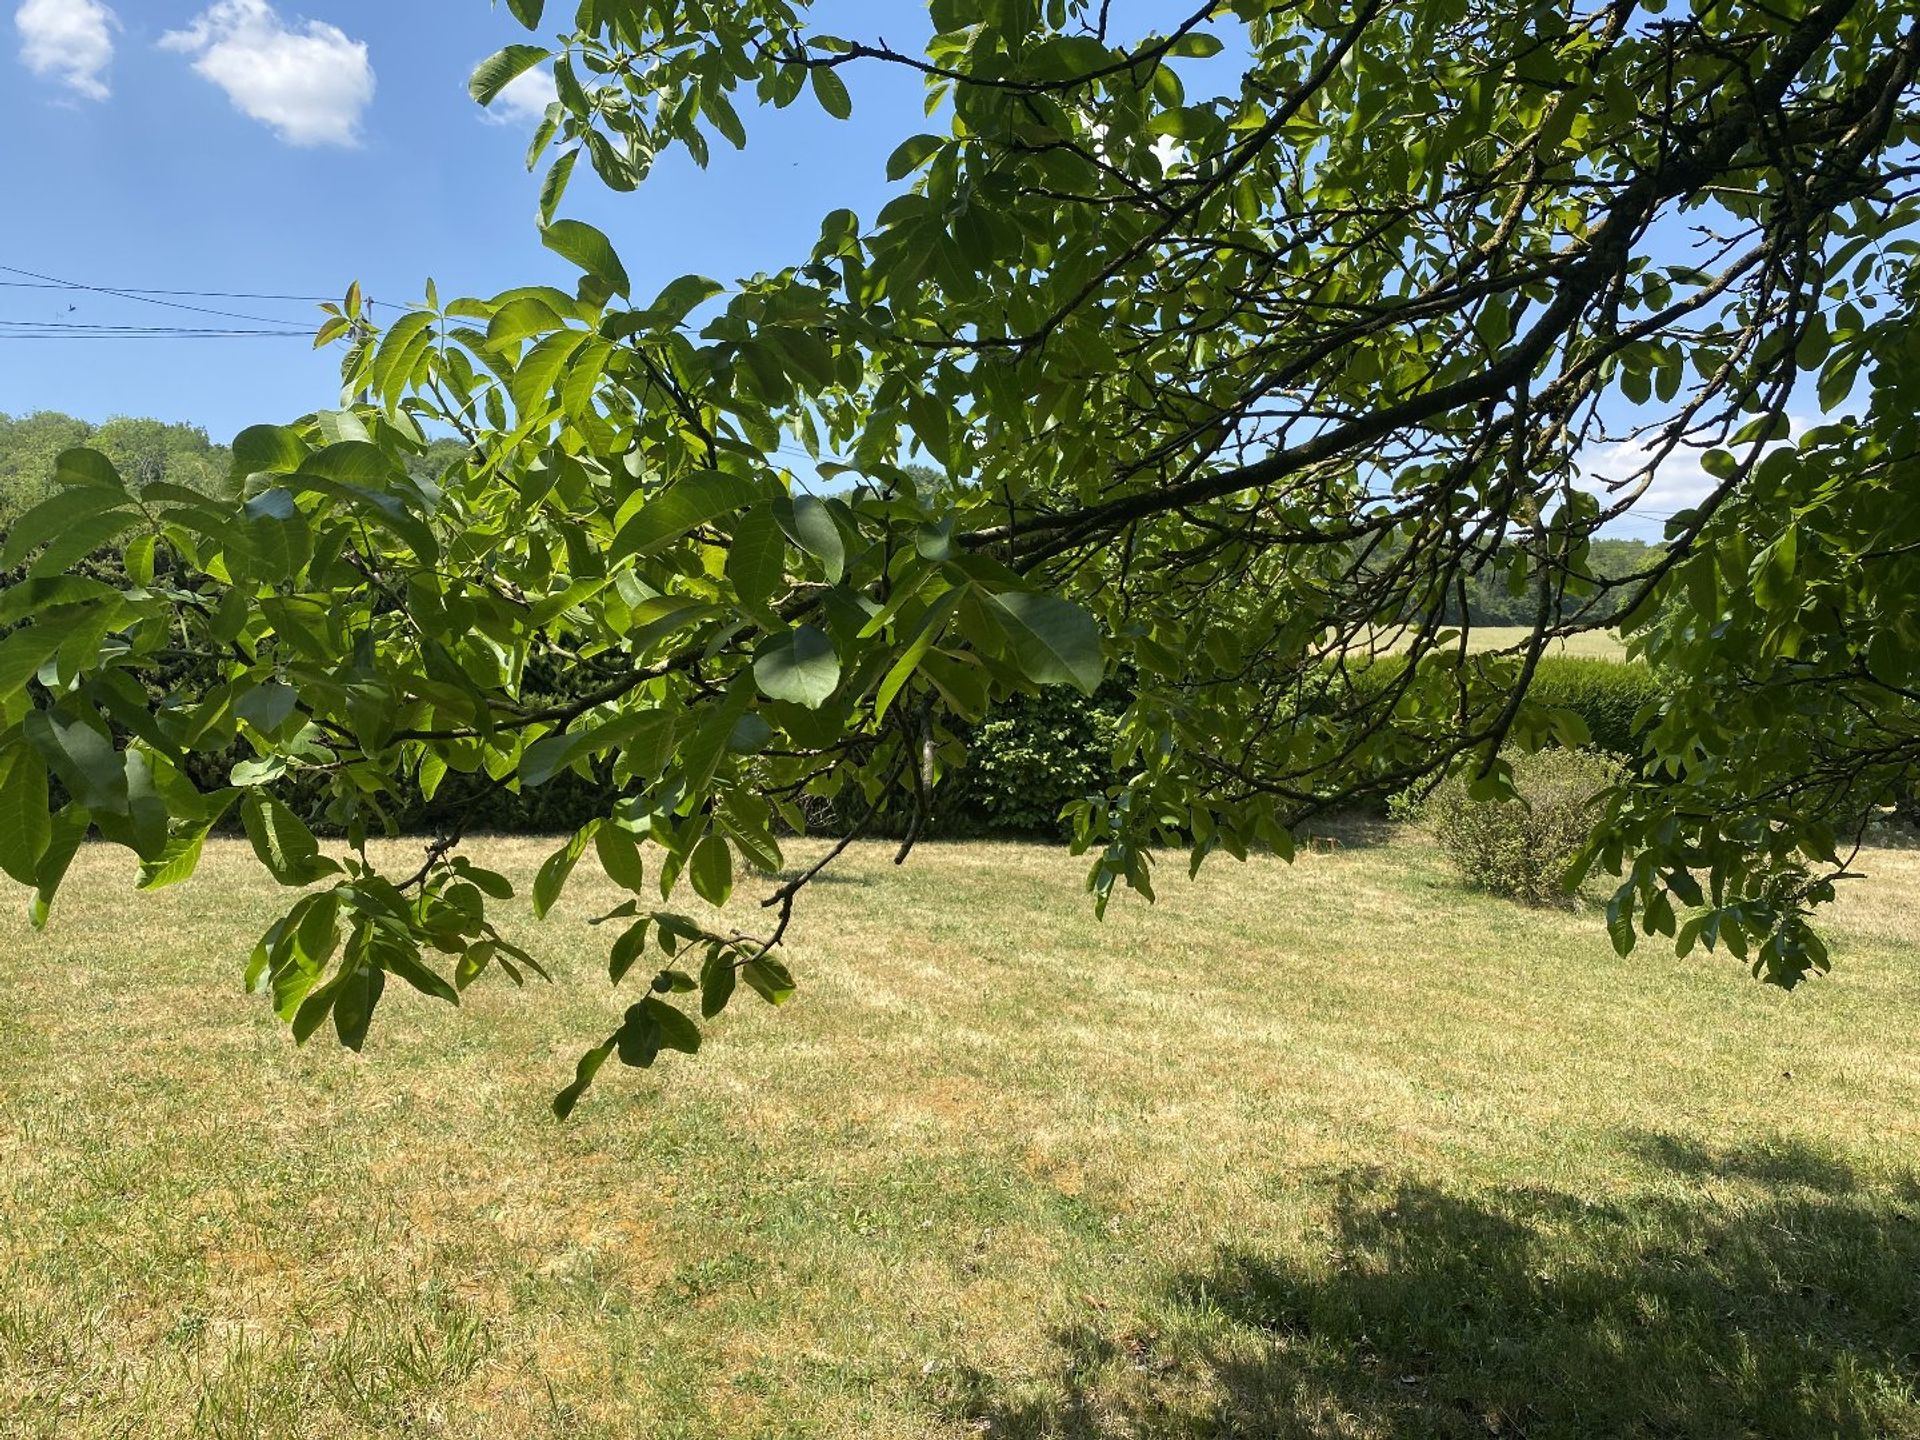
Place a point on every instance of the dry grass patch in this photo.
(1336, 1150)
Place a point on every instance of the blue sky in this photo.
(291, 146)
(243, 154)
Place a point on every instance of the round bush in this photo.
(1523, 847)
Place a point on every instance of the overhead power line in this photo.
(167, 335)
(33, 279)
(145, 291)
(139, 329)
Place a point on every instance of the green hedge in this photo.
(1037, 753)
(1608, 694)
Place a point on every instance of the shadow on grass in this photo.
(1347, 830)
(1780, 1162)
(1786, 1305)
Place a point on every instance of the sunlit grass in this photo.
(1335, 1150)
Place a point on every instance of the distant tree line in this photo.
(1491, 601)
(144, 451)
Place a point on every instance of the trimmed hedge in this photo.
(1607, 694)
(1038, 753)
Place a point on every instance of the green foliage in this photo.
(1610, 705)
(1030, 760)
(1617, 704)
(146, 452)
(1229, 344)
(1518, 834)
(1492, 600)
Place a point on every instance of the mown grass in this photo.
(1336, 1150)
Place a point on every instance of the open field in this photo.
(1339, 1150)
(1589, 645)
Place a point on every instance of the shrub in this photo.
(1523, 847)
(1032, 756)
(1607, 694)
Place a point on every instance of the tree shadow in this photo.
(1783, 1304)
(1347, 830)
(1780, 1162)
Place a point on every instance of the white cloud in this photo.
(525, 98)
(68, 40)
(1679, 481)
(307, 81)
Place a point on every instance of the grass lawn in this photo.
(1331, 1151)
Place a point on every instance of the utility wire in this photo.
(183, 335)
(144, 292)
(153, 297)
(135, 329)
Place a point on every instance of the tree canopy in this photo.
(141, 450)
(1240, 347)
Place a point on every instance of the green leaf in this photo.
(650, 1027)
(1055, 642)
(931, 624)
(717, 979)
(809, 524)
(84, 759)
(56, 516)
(711, 869)
(1196, 45)
(283, 843)
(554, 188)
(683, 296)
(81, 466)
(32, 598)
(473, 963)
(267, 449)
(694, 501)
(677, 1032)
(501, 69)
(757, 559)
(359, 991)
(175, 864)
(800, 666)
(586, 247)
(26, 825)
(522, 317)
(583, 1074)
(911, 154)
(86, 535)
(400, 351)
(527, 12)
(69, 829)
(24, 651)
(769, 979)
(553, 875)
(831, 91)
(719, 109)
(314, 1010)
(417, 973)
(620, 857)
(627, 949)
